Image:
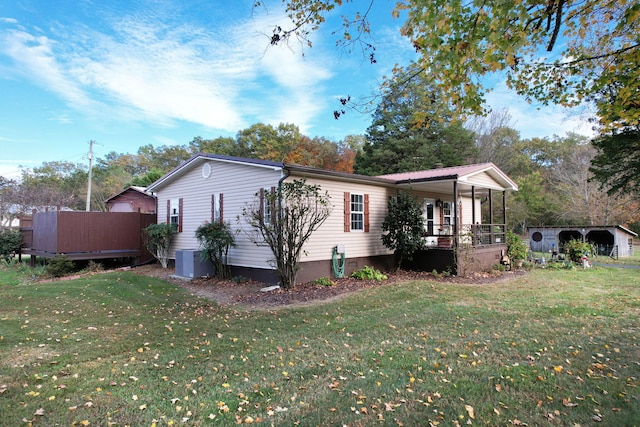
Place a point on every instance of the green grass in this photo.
(554, 347)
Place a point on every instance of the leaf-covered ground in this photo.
(556, 348)
(250, 294)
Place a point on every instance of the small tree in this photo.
(158, 239)
(215, 239)
(404, 227)
(576, 249)
(284, 219)
(516, 247)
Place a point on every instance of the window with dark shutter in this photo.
(216, 207)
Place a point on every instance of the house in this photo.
(210, 187)
(609, 240)
(132, 199)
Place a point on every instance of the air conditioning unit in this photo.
(190, 264)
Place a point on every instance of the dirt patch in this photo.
(249, 294)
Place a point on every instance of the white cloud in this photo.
(147, 68)
(34, 57)
(535, 120)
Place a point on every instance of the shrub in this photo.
(576, 248)
(10, 243)
(324, 281)
(516, 247)
(157, 238)
(403, 227)
(368, 273)
(215, 238)
(59, 266)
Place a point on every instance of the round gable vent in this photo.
(206, 170)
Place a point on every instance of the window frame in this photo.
(217, 207)
(356, 219)
(175, 211)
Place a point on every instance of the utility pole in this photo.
(90, 156)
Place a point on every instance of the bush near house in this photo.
(158, 239)
(516, 247)
(10, 242)
(215, 239)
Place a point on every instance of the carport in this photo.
(608, 240)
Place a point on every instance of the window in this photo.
(446, 217)
(174, 213)
(216, 207)
(357, 212)
(429, 215)
(267, 204)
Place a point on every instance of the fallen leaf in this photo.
(39, 412)
(469, 409)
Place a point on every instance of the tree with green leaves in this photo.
(285, 219)
(554, 51)
(54, 184)
(403, 227)
(147, 179)
(158, 238)
(215, 239)
(413, 130)
(617, 163)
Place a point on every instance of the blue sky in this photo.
(127, 73)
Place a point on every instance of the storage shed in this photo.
(133, 199)
(609, 240)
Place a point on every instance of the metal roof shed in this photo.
(610, 240)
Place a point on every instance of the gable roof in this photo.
(200, 158)
(466, 175)
(133, 188)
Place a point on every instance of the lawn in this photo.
(553, 347)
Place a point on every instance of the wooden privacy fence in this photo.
(86, 235)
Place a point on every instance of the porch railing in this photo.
(474, 234)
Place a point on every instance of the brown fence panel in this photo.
(90, 235)
(45, 231)
(98, 231)
(26, 228)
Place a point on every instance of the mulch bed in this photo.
(249, 294)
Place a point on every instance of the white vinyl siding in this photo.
(332, 232)
(484, 180)
(240, 185)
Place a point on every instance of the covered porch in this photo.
(465, 215)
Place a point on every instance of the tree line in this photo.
(554, 174)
